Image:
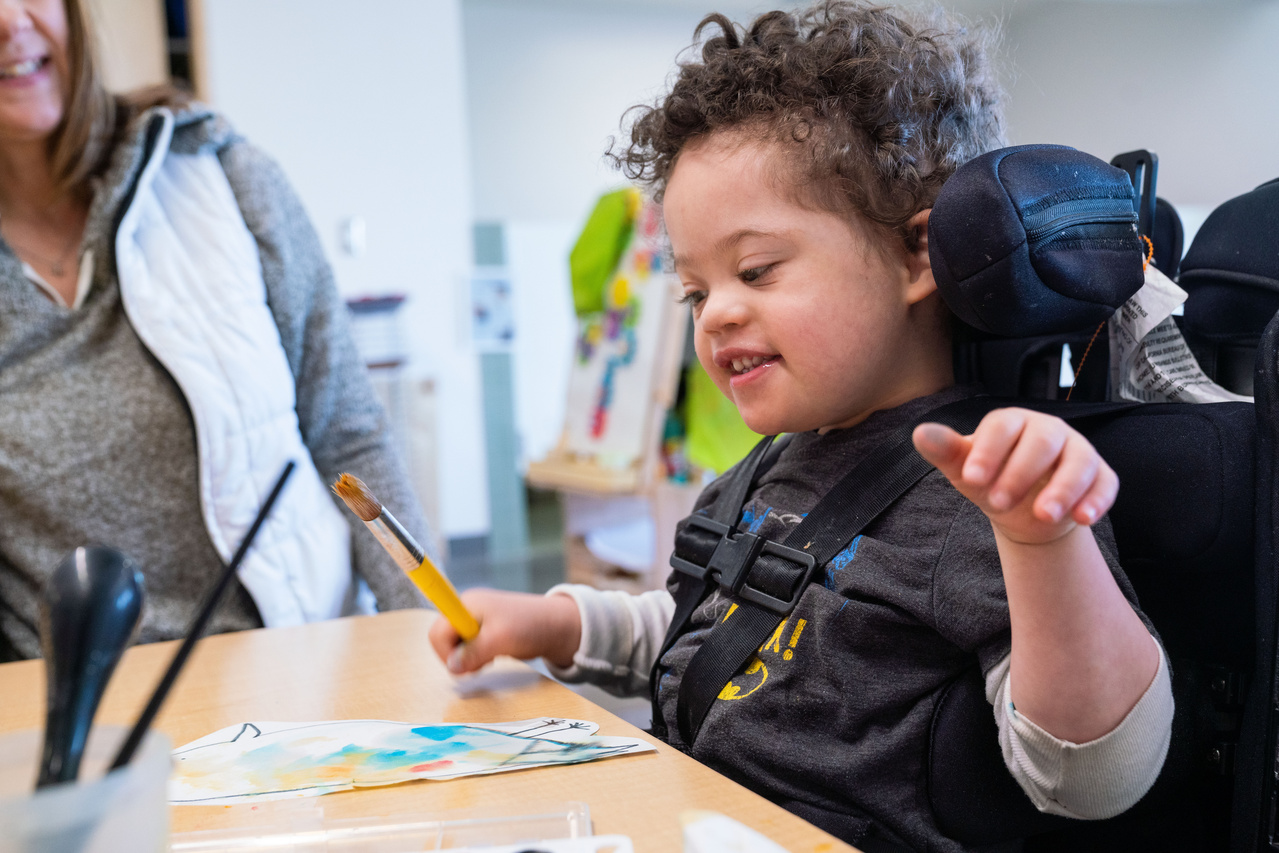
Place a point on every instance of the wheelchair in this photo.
(1194, 521)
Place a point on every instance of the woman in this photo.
(170, 335)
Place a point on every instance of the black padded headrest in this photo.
(1167, 236)
(1035, 240)
(1232, 269)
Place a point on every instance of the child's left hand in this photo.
(1033, 475)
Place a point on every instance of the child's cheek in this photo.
(718, 376)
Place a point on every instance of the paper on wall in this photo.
(1150, 361)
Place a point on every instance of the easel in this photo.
(603, 451)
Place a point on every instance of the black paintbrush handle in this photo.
(202, 617)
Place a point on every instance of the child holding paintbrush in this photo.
(799, 160)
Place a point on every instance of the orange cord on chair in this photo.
(1145, 262)
(1083, 357)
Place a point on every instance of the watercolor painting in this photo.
(251, 762)
(611, 384)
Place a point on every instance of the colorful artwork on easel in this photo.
(252, 762)
(616, 349)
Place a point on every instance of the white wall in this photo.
(547, 84)
(1196, 83)
(542, 353)
(364, 106)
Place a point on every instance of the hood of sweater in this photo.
(196, 129)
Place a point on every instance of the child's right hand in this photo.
(511, 623)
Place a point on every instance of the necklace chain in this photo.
(56, 265)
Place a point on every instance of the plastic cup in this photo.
(126, 810)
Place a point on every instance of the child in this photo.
(797, 163)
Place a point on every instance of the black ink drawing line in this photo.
(505, 762)
(544, 724)
(301, 728)
(257, 732)
(543, 735)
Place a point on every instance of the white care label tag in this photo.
(1150, 361)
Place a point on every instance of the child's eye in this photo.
(754, 273)
(693, 297)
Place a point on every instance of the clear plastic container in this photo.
(307, 830)
(124, 810)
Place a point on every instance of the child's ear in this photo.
(919, 282)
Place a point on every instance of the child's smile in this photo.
(800, 319)
(744, 365)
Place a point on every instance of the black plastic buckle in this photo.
(734, 557)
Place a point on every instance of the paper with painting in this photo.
(251, 762)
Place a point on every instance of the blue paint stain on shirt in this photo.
(754, 522)
(840, 562)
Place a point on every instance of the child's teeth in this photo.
(745, 365)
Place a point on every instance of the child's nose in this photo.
(722, 311)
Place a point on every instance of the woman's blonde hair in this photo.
(79, 144)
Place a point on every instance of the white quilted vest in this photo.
(191, 282)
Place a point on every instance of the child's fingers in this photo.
(1098, 500)
(1078, 466)
(1037, 451)
(443, 638)
(942, 448)
(992, 442)
(468, 657)
(462, 657)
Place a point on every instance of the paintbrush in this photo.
(198, 625)
(408, 555)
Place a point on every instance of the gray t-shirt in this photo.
(831, 720)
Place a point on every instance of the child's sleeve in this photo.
(621, 637)
(1093, 780)
(622, 634)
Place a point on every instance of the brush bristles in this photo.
(356, 496)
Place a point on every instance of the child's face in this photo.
(797, 318)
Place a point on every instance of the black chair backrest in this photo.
(1255, 824)
(1231, 274)
(1187, 529)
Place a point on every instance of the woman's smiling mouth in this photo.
(25, 68)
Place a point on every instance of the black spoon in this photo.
(92, 605)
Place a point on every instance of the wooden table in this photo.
(382, 667)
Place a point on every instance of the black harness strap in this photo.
(691, 590)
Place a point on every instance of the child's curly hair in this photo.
(876, 107)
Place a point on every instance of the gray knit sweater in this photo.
(96, 441)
